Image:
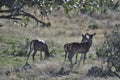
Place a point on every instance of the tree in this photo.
(110, 50)
(16, 7)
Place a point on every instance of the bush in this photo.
(103, 52)
(111, 48)
(93, 26)
(16, 49)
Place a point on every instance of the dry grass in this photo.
(62, 31)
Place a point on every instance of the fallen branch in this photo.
(9, 17)
(5, 11)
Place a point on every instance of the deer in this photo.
(81, 48)
(38, 45)
(67, 46)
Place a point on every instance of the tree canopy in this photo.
(16, 7)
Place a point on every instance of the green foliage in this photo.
(93, 26)
(12, 51)
(113, 39)
(103, 52)
(111, 48)
(16, 49)
(91, 56)
(26, 21)
(46, 25)
(59, 2)
(7, 51)
(6, 60)
(14, 46)
(85, 6)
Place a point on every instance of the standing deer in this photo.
(82, 48)
(38, 45)
(67, 47)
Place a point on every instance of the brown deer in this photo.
(38, 45)
(82, 48)
(68, 46)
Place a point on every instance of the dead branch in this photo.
(21, 13)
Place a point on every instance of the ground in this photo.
(63, 30)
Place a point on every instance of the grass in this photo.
(61, 32)
(6, 60)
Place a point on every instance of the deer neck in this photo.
(90, 42)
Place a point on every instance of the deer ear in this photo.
(87, 34)
(94, 34)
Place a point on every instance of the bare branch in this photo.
(33, 17)
(9, 17)
(20, 14)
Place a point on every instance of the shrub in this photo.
(93, 26)
(111, 48)
(16, 49)
(103, 52)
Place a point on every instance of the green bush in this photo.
(19, 49)
(93, 26)
(16, 49)
(91, 56)
(111, 48)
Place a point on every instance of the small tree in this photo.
(111, 48)
(46, 7)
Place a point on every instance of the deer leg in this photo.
(65, 54)
(84, 58)
(28, 56)
(40, 55)
(76, 58)
(33, 55)
(80, 59)
(70, 56)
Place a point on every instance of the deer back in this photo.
(79, 47)
(68, 46)
(82, 47)
(41, 45)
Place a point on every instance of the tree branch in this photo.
(9, 17)
(21, 14)
(33, 17)
(5, 11)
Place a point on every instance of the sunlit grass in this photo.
(61, 32)
(6, 60)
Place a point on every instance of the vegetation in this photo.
(81, 13)
(16, 7)
(94, 26)
(110, 51)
